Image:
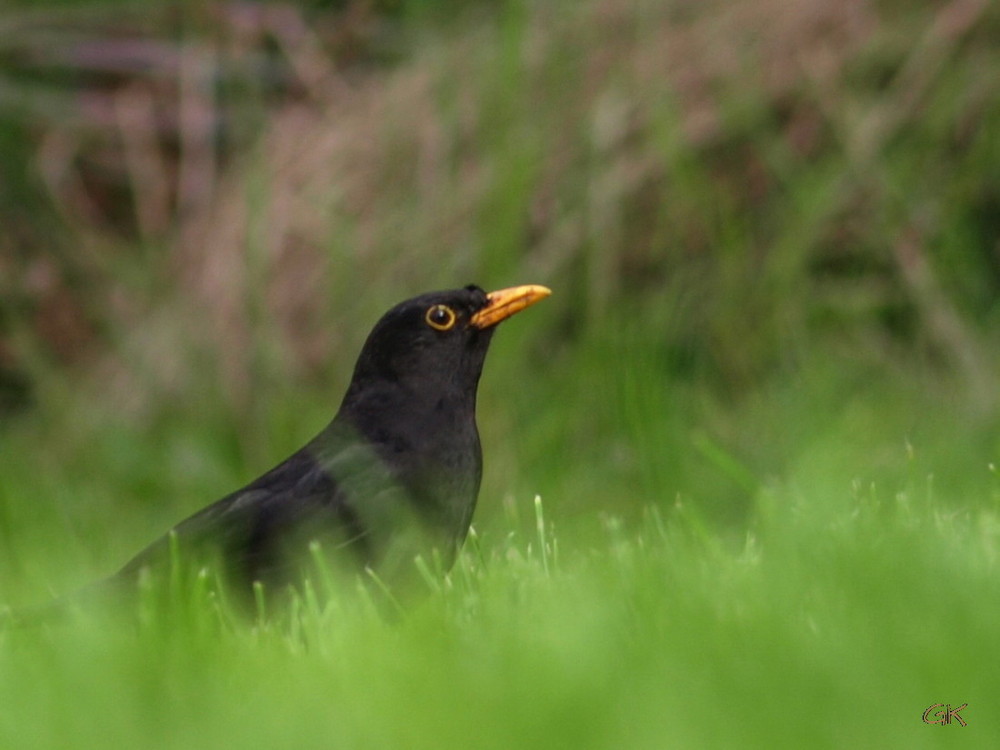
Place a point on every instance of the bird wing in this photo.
(344, 499)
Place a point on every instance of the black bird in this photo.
(395, 474)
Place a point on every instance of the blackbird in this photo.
(395, 474)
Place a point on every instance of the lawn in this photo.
(834, 616)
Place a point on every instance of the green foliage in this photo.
(827, 624)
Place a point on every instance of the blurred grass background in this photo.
(772, 229)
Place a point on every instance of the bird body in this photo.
(395, 474)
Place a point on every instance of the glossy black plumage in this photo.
(395, 474)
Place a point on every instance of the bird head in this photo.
(436, 343)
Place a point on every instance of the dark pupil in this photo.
(440, 315)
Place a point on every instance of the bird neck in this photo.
(396, 418)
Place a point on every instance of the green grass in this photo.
(850, 585)
(842, 615)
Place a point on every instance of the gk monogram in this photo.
(943, 713)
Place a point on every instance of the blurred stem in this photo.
(945, 326)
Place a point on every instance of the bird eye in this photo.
(440, 317)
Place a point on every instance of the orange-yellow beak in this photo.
(503, 303)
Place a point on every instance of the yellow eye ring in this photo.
(440, 317)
